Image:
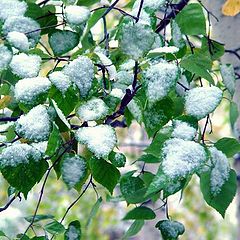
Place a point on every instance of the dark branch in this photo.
(176, 9)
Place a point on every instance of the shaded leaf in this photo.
(140, 213)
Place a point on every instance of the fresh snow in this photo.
(19, 153)
(201, 101)
(73, 170)
(35, 125)
(5, 57)
(160, 79)
(25, 66)
(81, 72)
(28, 90)
(93, 109)
(131, 39)
(183, 130)
(60, 81)
(18, 40)
(107, 63)
(165, 49)
(100, 139)
(76, 14)
(23, 25)
(228, 76)
(177, 37)
(11, 8)
(220, 171)
(181, 158)
(151, 4)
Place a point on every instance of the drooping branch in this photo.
(175, 10)
(69, 145)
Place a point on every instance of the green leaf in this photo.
(149, 158)
(198, 63)
(54, 227)
(155, 147)
(60, 114)
(212, 48)
(229, 146)
(95, 17)
(170, 230)
(140, 213)
(42, 16)
(54, 141)
(221, 201)
(63, 41)
(155, 116)
(104, 173)
(2, 234)
(39, 238)
(132, 188)
(86, 3)
(94, 211)
(74, 231)
(233, 113)
(134, 229)
(24, 176)
(39, 217)
(191, 20)
(66, 103)
(117, 159)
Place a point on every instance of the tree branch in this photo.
(176, 9)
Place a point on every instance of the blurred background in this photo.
(201, 221)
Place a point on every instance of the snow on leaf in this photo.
(170, 229)
(5, 57)
(16, 154)
(150, 4)
(18, 40)
(76, 14)
(100, 139)
(201, 101)
(220, 170)
(63, 41)
(35, 125)
(41, 146)
(177, 36)
(73, 170)
(11, 8)
(107, 62)
(81, 72)
(135, 109)
(93, 109)
(25, 66)
(28, 90)
(170, 49)
(131, 39)
(60, 80)
(228, 76)
(183, 130)
(23, 25)
(160, 78)
(181, 158)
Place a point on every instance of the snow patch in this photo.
(100, 139)
(201, 101)
(35, 125)
(25, 66)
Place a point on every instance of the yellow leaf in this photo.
(231, 7)
(5, 101)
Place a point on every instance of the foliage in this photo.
(68, 121)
